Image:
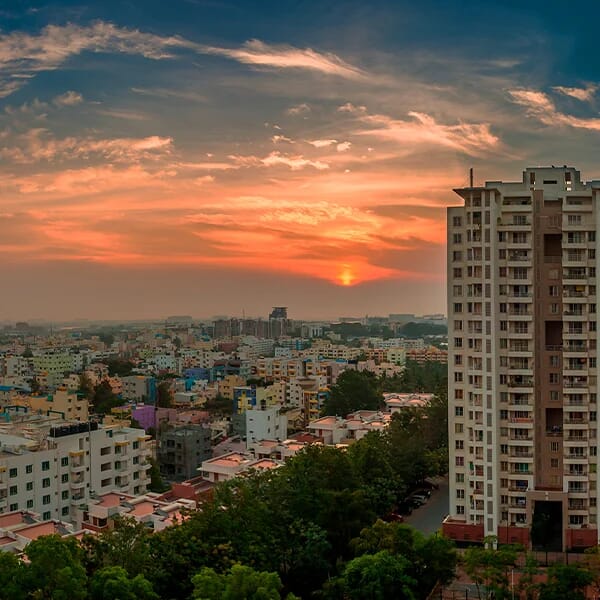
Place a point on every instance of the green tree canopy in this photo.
(354, 390)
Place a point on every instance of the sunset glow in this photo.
(130, 147)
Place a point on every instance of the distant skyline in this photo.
(211, 156)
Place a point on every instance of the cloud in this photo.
(539, 106)
(293, 162)
(299, 109)
(281, 138)
(39, 145)
(23, 54)
(584, 94)
(351, 108)
(343, 146)
(470, 138)
(69, 98)
(322, 143)
(283, 56)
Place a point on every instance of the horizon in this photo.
(209, 157)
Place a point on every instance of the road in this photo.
(428, 518)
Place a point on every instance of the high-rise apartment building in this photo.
(523, 432)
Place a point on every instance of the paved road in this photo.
(428, 518)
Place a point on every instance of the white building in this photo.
(265, 424)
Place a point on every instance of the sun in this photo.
(346, 277)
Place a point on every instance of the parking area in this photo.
(428, 518)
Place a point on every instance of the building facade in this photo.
(522, 260)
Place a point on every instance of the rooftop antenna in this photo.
(471, 177)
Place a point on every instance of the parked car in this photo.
(419, 498)
(394, 518)
(423, 492)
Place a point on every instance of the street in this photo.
(428, 518)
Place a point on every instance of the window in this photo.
(460, 461)
(457, 307)
(29, 486)
(553, 378)
(456, 221)
(29, 503)
(65, 511)
(458, 444)
(574, 219)
(460, 478)
(457, 272)
(554, 463)
(553, 290)
(13, 472)
(46, 465)
(458, 342)
(457, 238)
(64, 478)
(458, 411)
(13, 490)
(460, 510)
(136, 445)
(64, 461)
(13, 507)
(45, 482)
(46, 499)
(591, 236)
(29, 469)
(65, 495)
(46, 516)
(458, 377)
(460, 494)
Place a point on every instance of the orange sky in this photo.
(201, 170)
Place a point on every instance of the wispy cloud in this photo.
(470, 138)
(24, 54)
(69, 98)
(322, 143)
(282, 56)
(298, 109)
(39, 145)
(584, 94)
(294, 162)
(541, 107)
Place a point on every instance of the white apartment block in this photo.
(51, 467)
(522, 260)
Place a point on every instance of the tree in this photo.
(119, 366)
(240, 583)
(528, 586)
(164, 395)
(27, 353)
(125, 546)
(156, 482)
(354, 390)
(566, 582)
(55, 569)
(12, 574)
(86, 387)
(113, 583)
(378, 577)
(489, 566)
(104, 399)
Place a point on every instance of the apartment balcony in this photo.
(513, 487)
(520, 420)
(576, 473)
(520, 437)
(577, 294)
(528, 454)
(578, 347)
(580, 419)
(576, 457)
(576, 436)
(515, 471)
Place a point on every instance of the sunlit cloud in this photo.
(282, 56)
(584, 94)
(540, 106)
(470, 138)
(39, 145)
(69, 98)
(322, 143)
(24, 54)
(298, 109)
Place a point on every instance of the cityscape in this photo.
(299, 300)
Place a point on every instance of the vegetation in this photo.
(164, 394)
(120, 367)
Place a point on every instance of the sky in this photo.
(211, 157)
